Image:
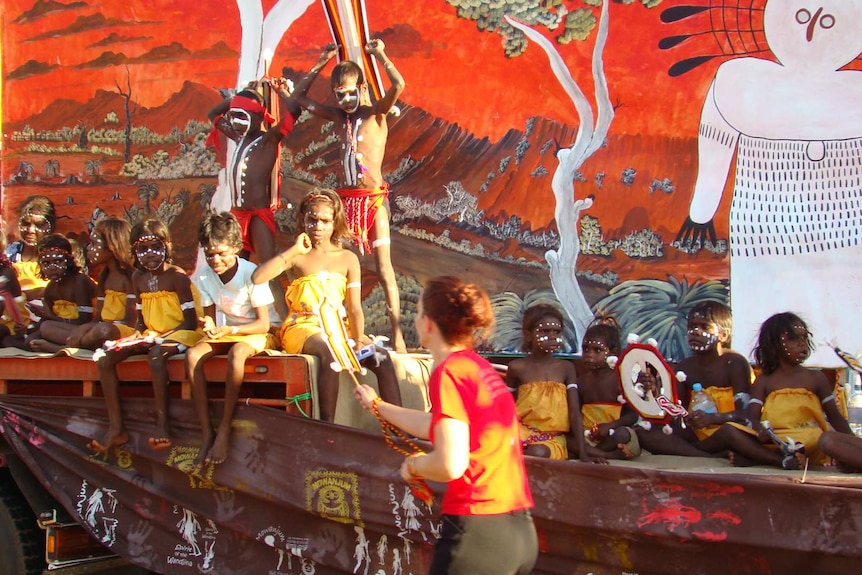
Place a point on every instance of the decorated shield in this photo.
(657, 405)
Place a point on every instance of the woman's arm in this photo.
(451, 455)
(412, 421)
(282, 262)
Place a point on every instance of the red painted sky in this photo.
(452, 70)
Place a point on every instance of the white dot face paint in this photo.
(702, 334)
(151, 253)
(96, 250)
(547, 335)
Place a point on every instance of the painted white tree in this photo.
(592, 131)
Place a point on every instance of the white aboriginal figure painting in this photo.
(793, 128)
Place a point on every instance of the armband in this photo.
(286, 124)
(743, 397)
(755, 400)
(572, 386)
(85, 309)
(100, 298)
(187, 305)
(354, 285)
(129, 296)
(139, 307)
(828, 398)
(233, 330)
(512, 389)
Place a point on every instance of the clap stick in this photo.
(338, 342)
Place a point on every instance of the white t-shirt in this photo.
(237, 298)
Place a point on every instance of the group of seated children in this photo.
(144, 304)
(585, 416)
(151, 306)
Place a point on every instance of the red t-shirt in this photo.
(467, 388)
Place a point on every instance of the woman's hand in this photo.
(405, 473)
(365, 395)
(303, 244)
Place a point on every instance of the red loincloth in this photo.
(244, 218)
(360, 209)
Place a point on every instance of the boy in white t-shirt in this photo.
(225, 286)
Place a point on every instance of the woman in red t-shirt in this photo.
(486, 524)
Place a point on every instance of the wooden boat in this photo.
(299, 496)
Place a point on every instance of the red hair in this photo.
(461, 311)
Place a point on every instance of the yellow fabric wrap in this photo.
(543, 409)
(162, 313)
(302, 295)
(258, 341)
(114, 310)
(596, 413)
(65, 309)
(723, 398)
(797, 413)
(28, 275)
(114, 306)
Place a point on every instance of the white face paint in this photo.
(239, 119)
(347, 97)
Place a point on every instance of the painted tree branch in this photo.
(590, 137)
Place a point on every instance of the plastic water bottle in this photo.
(701, 401)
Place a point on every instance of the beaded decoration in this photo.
(147, 238)
(538, 435)
(391, 434)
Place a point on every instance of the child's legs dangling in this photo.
(196, 357)
(159, 355)
(327, 378)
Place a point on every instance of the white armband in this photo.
(354, 285)
(187, 305)
(85, 309)
(743, 397)
(512, 389)
(830, 397)
(100, 298)
(755, 400)
(572, 386)
(130, 296)
(139, 307)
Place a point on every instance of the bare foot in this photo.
(112, 439)
(738, 460)
(158, 443)
(793, 461)
(44, 346)
(203, 453)
(218, 452)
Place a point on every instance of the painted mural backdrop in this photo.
(629, 157)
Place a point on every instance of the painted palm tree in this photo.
(183, 196)
(24, 171)
(206, 191)
(52, 168)
(147, 192)
(93, 167)
(659, 309)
